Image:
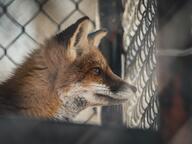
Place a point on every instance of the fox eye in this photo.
(96, 71)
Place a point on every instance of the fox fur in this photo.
(63, 77)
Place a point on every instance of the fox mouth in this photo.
(115, 97)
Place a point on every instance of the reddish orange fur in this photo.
(34, 89)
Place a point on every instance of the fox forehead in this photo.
(79, 70)
(93, 58)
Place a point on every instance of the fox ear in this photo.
(95, 37)
(75, 37)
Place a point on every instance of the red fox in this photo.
(63, 77)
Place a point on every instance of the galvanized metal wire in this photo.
(140, 30)
(4, 11)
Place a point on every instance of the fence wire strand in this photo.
(140, 29)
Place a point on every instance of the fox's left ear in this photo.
(75, 37)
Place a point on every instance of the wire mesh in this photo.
(25, 24)
(41, 7)
(140, 29)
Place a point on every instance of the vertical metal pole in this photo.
(110, 17)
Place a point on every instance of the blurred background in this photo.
(148, 45)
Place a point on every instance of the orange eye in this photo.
(96, 71)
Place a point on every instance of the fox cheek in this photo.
(76, 104)
(80, 102)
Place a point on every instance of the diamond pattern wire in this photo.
(140, 29)
(18, 17)
(25, 24)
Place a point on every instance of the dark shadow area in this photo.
(22, 131)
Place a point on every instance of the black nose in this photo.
(125, 85)
(122, 85)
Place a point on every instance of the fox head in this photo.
(86, 79)
(69, 74)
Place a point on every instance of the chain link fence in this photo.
(139, 61)
(25, 24)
